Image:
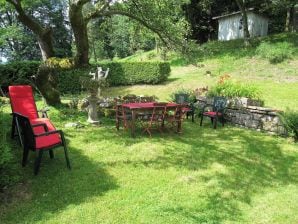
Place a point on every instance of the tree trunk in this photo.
(246, 35)
(288, 20)
(45, 42)
(46, 82)
(79, 27)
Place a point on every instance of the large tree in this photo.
(288, 6)
(19, 41)
(43, 33)
(161, 17)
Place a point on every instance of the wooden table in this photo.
(135, 107)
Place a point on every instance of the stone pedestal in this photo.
(92, 110)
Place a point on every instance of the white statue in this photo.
(93, 86)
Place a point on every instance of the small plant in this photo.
(190, 93)
(275, 53)
(228, 88)
(290, 120)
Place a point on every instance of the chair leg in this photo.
(117, 124)
(37, 162)
(201, 120)
(65, 151)
(215, 123)
(19, 132)
(25, 156)
(66, 157)
(51, 152)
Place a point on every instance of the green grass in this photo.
(201, 176)
(228, 175)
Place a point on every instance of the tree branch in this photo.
(25, 19)
(97, 13)
(134, 17)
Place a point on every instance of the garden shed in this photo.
(230, 26)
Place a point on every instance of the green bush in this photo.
(121, 73)
(190, 93)
(232, 89)
(275, 53)
(290, 120)
(130, 73)
(18, 72)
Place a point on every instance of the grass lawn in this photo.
(204, 175)
(227, 175)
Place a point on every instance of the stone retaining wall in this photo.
(259, 118)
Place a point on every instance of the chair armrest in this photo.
(41, 124)
(48, 133)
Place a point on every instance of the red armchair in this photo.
(40, 140)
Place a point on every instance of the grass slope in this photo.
(277, 82)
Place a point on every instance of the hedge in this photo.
(121, 73)
(17, 72)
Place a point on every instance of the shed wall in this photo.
(230, 27)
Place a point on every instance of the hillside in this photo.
(278, 82)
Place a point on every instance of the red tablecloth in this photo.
(146, 105)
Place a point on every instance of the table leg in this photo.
(179, 123)
(133, 126)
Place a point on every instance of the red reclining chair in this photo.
(39, 133)
(22, 102)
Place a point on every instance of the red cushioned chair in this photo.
(39, 138)
(217, 113)
(22, 102)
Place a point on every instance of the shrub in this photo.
(290, 120)
(229, 88)
(18, 72)
(190, 93)
(121, 73)
(275, 53)
(130, 73)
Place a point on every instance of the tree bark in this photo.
(246, 35)
(47, 81)
(288, 20)
(79, 27)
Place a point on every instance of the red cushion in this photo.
(45, 141)
(22, 101)
(211, 114)
(186, 109)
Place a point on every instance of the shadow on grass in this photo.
(233, 164)
(55, 187)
